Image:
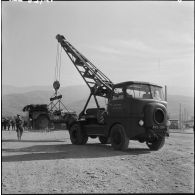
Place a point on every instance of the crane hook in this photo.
(56, 86)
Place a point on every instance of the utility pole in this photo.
(180, 116)
(185, 114)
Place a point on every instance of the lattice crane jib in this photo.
(99, 84)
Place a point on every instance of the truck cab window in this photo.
(140, 91)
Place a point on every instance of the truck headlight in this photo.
(141, 122)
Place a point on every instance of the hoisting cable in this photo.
(58, 62)
(60, 54)
(56, 84)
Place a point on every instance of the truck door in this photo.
(116, 105)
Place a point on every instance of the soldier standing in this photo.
(19, 128)
(8, 124)
(13, 124)
(2, 123)
(5, 124)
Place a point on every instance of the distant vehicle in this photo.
(174, 124)
(189, 123)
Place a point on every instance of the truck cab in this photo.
(135, 111)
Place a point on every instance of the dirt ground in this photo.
(46, 162)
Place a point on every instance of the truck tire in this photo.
(77, 136)
(42, 122)
(119, 139)
(157, 144)
(104, 140)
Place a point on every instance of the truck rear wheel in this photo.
(157, 143)
(104, 140)
(77, 136)
(119, 139)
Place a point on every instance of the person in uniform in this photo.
(13, 124)
(19, 128)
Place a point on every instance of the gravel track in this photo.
(46, 162)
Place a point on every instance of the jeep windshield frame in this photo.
(137, 90)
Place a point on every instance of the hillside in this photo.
(8, 89)
(13, 103)
(74, 97)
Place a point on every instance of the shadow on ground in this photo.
(15, 140)
(65, 151)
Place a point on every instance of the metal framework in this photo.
(99, 84)
(56, 101)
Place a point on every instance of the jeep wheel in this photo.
(76, 135)
(157, 144)
(104, 140)
(119, 139)
(42, 122)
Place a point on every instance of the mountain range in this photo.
(74, 98)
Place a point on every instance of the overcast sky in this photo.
(142, 41)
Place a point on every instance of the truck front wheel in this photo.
(157, 143)
(77, 136)
(119, 139)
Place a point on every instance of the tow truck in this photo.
(135, 110)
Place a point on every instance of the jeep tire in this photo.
(77, 136)
(42, 122)
(119, 139)
(157, 144)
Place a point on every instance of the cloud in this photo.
(108, 50)
(178, 46)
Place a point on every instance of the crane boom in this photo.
(99, 84)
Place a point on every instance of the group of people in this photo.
(10, 124)
(16, 123)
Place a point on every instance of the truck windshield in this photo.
(144, 91)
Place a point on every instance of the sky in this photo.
(142, 41)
